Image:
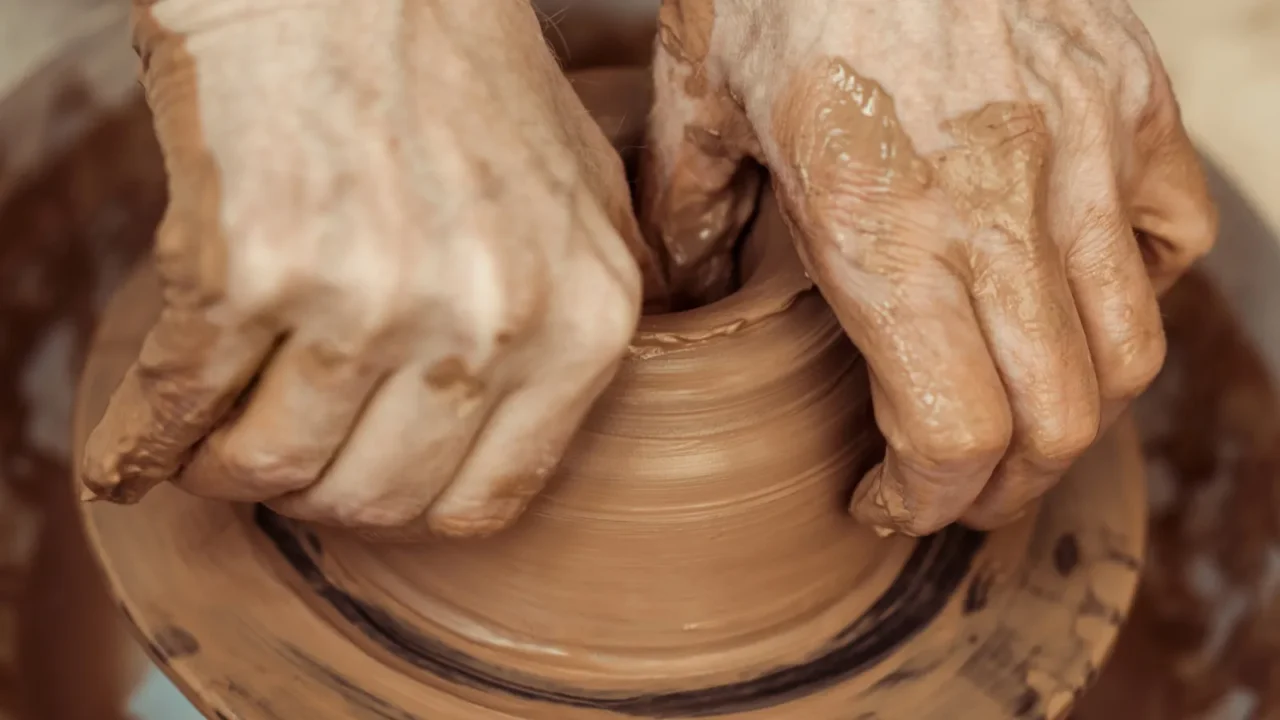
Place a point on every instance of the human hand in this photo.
(990, 194)
(397, 262)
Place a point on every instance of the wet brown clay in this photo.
(692, 558)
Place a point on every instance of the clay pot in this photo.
(693, 556)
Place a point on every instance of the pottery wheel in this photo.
(692, 557)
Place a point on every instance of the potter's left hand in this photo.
(990, 194)
(397, 264)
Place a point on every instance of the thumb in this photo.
(697, 187)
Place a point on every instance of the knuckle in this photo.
(375, 515)
(370, 294)
(259, 272)
(604, 326)
(1056, 443)
(615, 320)
(261, 472)
(1063, 410)
(1139, 361)
(517, 313)
(505, 289)
(966, 448)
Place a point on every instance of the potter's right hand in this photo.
(396, 263)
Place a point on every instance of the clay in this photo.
(697, 190)
(693, 557)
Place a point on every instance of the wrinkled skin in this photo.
(385, 217)
(397, 221)
(990, 193)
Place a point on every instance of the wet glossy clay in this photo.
(692, 558)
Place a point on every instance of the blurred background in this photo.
(79, 190)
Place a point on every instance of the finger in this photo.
(937, 396)
(512, 460)
(1113, 293)
(298, 414)
(404, 450)
(192, 366)
(1024, 303)
(203, 349)
(1170, 204)
(998, 175)
(698, 192)
(883, 244)
(522, 443)
(1119, 310)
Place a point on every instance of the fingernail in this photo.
(88, 494)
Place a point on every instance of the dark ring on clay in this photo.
(927, 581)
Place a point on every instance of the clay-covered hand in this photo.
(397, 263)
(990, 193)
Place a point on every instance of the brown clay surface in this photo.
(1208, 653)
(693, 558)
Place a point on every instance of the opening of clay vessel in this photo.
(705, 497)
